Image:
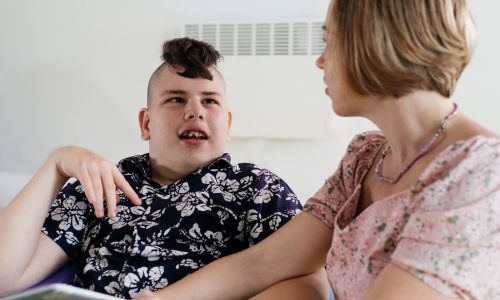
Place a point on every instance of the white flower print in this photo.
(208, 241)
(230, 185)
(70, 214)
(253, 215)
(191, 202)
(229, 197)
(79, 188)
(223, 216)
(145, 279)
(212, 182)
(122, 245)
(71, 238)
(189, 263)
(123, 216)
(147, 189)
(275, 222)
(113, 288)
(182, 189)
(256, 230)
(96, 261)
(208, 179)
(276, 188)
(263, 196)
(245, 182)
(257, 172)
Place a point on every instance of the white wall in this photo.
(75, 72)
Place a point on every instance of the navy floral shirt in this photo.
(178, 228)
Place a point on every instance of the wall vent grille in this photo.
(245, 39)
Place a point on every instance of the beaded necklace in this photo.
(426, 148)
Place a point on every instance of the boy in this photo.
(178, 208)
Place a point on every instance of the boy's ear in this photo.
(229, 119)
(229, 123)
(144, 123)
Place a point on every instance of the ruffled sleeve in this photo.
(330, 198)
(452, 238)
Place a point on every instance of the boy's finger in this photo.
(125, 187)
(110, 193)
(87, 187)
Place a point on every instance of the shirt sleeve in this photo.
(452, 239)
(337, 189)
(66, 220)
(272, 205)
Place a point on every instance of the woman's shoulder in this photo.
(462, 174)
(477, 152)
(368, 142)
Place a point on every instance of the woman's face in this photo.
(345, 102)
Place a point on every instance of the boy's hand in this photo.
(99, 177)
(147, 295)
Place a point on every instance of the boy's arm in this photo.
(26, 255)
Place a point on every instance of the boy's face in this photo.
(187, 122)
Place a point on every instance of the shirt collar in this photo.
(142, 165)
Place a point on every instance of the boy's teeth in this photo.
(195, 134)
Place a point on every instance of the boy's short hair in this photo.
(195, 57)
(392, 47)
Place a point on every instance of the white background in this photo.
(75, 72)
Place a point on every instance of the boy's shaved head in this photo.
(195, 58)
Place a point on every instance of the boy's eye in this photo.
(210, 101)
(176, 100)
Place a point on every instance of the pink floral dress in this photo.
(445, 230)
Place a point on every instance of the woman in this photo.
(410, 212)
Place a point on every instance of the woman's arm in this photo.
(306, 287)
(296, 249)
(395, 283)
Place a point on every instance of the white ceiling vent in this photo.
(244, 39)
(269, 69)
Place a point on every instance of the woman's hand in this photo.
(98, 176)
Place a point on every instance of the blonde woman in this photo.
(412, 210)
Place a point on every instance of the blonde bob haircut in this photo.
(393, 47)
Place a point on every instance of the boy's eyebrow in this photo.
(210, 93)
(183, 92)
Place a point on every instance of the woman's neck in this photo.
(409, 122)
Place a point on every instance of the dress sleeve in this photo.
(452, 238)
(273, 204)
(337, 189)
(67, 218)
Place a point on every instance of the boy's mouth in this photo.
(193, 134)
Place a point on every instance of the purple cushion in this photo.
(65, 275)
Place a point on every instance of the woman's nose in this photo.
(319, 61)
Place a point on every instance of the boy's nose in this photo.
(194, 111)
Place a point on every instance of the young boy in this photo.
(176, 209)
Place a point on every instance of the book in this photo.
(59, 291)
